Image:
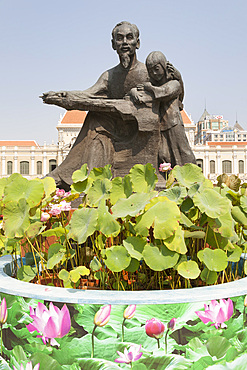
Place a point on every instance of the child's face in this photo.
(156, 72)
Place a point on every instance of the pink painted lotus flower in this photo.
(164, 167)
(29, 366)
(129, 356)
(3, 312)
(44, 216)
(171, 324)
(129, 312)
(52, 323)
(154, 328)
(217, 312)
(102, 316)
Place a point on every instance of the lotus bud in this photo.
(172, 323)
(3, 312)
(102, 317)
(129, 312)
(154, 328)
(245, 301)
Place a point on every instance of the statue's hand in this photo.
(52, 97)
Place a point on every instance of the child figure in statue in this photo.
(167, 90)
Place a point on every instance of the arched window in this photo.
(199, 163)
(24, 168)
(240, 166)
(212, 166)
(9, 168)
(39, 168)
(52, 164)
(226, 166)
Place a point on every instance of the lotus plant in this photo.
(129, 356)
(29, 366)
(101, 318)
(129, 312)
(3, 319)
(51, 324)
(170, 326)
(155, 329)
(217, 312)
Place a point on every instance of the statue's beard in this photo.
(125, 60)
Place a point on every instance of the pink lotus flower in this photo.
(217, 313)
(129, 312)
(60, 193)
(129, 356)
(102, 316)
(154, 328)
(171, 324)
(44, 216)
(52, 323)
(3, 312)
(56, 209)
(164, 167)
(29, 366)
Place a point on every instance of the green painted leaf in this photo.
(134, 245)
(176, 242)
(217, 346)
(45, 361)
(117, 258)
(100, 189)
(176, 194)
(26, 273)
(189, 269)
(16, 216)
(4, 365)
(130, 206)
(239, 215)
(163, 216)
(143, 178)
(208, 276)
(106, 222)
(97, 364)
(83, 224)
(212, 203)
(235, 255)
(56, 252)
(188, 174)
(214, 259)
(159, 259)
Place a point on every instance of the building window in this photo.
(39, 168)
(52, 164)
(227, 167)
(9, 168)
(241, 166)
(199, 163)
(24, 168)
(212, 166)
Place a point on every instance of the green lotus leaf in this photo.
(239, 216)
(117, 258)
(223, 225)
(243, 203)
(56, 231)
(133, 266)
(187, 205)
(189, 269)
(26, 273)
(56, 252)
(170, 180)
(100, 189)
(176, 242)
(49, 186)
(214, 259)
(130, 206)
(163, 216)
(176, 194)
(159, 259)
(208, 276)
(101, 173)
(83, 224)
(63, 275)
(31, 190)
(217, 240)
(117, 190)
(81, 174)
(212, 203)
(235, 255)
(188, 174)
(77, 272)
(134, 245)
(106, 222)
(16, 218)
(81, 187)
(95, 264)
(199, 234)
(185, 221)
(35, 229)
(3, 183)
(143, 178)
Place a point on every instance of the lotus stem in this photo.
(166, 337)
(123, 330)
(158, 342)
(92, 354)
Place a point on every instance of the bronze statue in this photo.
(120, 129)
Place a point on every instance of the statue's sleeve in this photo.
(99, 89)
(169, 91)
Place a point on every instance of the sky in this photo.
(66, 45)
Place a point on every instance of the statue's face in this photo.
(156, 72)
(125, 40)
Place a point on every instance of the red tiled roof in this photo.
(74, 116)
(227, 143)
(18, 143)
(186, 119)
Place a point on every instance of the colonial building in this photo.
(218, 147)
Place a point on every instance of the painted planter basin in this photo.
(210, 330)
